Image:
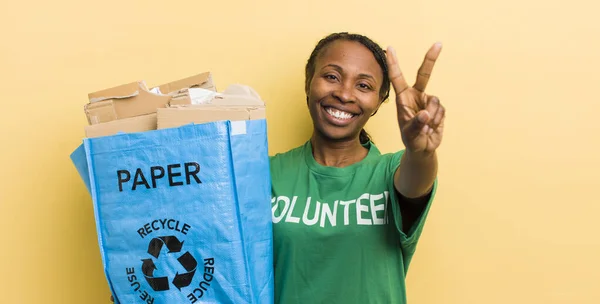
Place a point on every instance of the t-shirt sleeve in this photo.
(408, 240)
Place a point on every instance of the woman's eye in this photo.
(364, 86)
(330, 77)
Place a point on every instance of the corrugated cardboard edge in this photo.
(183, 98)
(127, 125)
(140, 104)
(107, 106)
(178, 116)
(124, 90)
(237, 100)
(203, 80)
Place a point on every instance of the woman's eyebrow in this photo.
(339, 70)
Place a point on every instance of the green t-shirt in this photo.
(337, 236)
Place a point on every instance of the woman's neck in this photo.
(337, 153)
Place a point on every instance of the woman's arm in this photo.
(413, 181)
(416, 174)
(421, 121)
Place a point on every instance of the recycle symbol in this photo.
(186, 260)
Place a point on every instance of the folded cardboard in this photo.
(127, 125)
(235, 94)
(133, 107)
(237, 102)
(108, 105)
(191, 96)
(203, 81)
(173, 117)
(128, 89)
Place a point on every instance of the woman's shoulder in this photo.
(379, 156)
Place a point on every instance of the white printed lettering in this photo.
(286, 201)
(375, 208)
(360, 209)
(326, 212)
(315, 219)
(347, 210)
(370, 209)
(290, 218)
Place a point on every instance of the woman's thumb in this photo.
(416, 124)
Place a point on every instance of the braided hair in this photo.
(378, 53)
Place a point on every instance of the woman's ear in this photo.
(307, 89)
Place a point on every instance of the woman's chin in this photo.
(336, 134)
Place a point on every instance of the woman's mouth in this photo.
(338, 117)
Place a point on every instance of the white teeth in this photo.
(339, 114)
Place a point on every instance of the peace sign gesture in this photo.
(420, 116)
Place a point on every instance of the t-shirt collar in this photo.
(335, 171)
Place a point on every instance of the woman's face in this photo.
(344, 90)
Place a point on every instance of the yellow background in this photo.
(516, 217)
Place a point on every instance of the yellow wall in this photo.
(516, 218)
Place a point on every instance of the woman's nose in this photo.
(344, 93)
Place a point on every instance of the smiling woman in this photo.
(346, 219)
(333, 71)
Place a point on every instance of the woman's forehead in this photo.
(349, 55)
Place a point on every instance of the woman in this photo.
(346, 219)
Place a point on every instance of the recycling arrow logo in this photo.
(187, 261)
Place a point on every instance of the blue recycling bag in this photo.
(183, 214)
